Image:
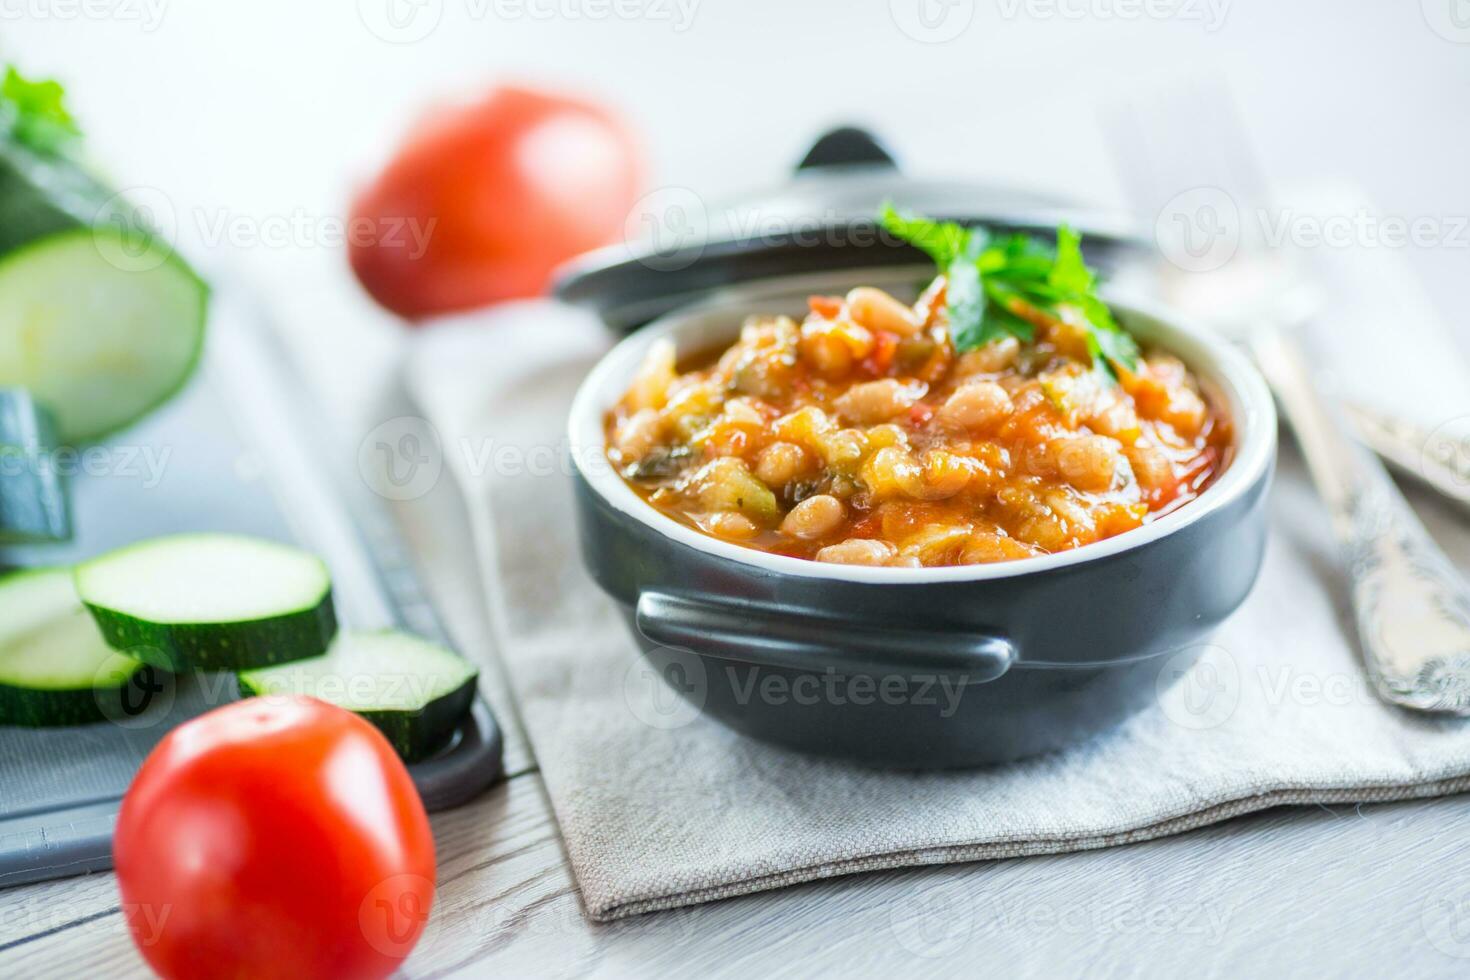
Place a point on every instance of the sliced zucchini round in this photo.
(210, 601)
(55, 668)
(96, 340)
(99, 317)
(414, 691)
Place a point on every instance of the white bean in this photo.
(876, 310)
(858, 551)
(877, 401)
(639, 433)
(978, 406)
(779, 463)
(814, 517)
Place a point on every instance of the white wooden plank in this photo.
(504, 890)
(1296, 891)
(434, 526)
(30, 909)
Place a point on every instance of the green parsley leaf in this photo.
(1069, 274)
(34, 113)
(942, 241)
(1000, 322)
(964, 298)
(1117, 346)
(988, 277)
(1018, 258)
(956, 250)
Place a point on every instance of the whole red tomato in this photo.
(485, 200)
(277, 837)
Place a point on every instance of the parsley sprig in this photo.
(34, 114)
(988, 278)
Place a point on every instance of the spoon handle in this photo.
(1412, 608)
(1407, 448)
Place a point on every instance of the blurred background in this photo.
(258, 122)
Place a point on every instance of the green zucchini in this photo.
(99, 318)
(414, 691)
(55, 668)
(33, 506)
(210, 601)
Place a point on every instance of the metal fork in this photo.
(1412, 608)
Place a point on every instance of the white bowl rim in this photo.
(1214, 360)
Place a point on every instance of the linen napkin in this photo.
(660, 807)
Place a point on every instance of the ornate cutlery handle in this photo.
(1412, 607)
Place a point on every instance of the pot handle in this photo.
(844, 145)
(758, 634)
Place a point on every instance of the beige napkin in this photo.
(660, 807)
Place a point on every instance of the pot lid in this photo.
(679, 248)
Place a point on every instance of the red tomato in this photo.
(276, 837)
(485, 200)
(826, 307)
(885, 346)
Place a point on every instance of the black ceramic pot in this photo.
(933, 667)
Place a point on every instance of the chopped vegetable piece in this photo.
(55, 668)
(414, 691)
(210, 601)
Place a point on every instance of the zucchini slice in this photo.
(414, 691)
(99, 318)
(55, 668)
(210, 601)
(33, 505)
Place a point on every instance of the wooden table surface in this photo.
(1298, 891)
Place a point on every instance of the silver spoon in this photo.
(1411, 606)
